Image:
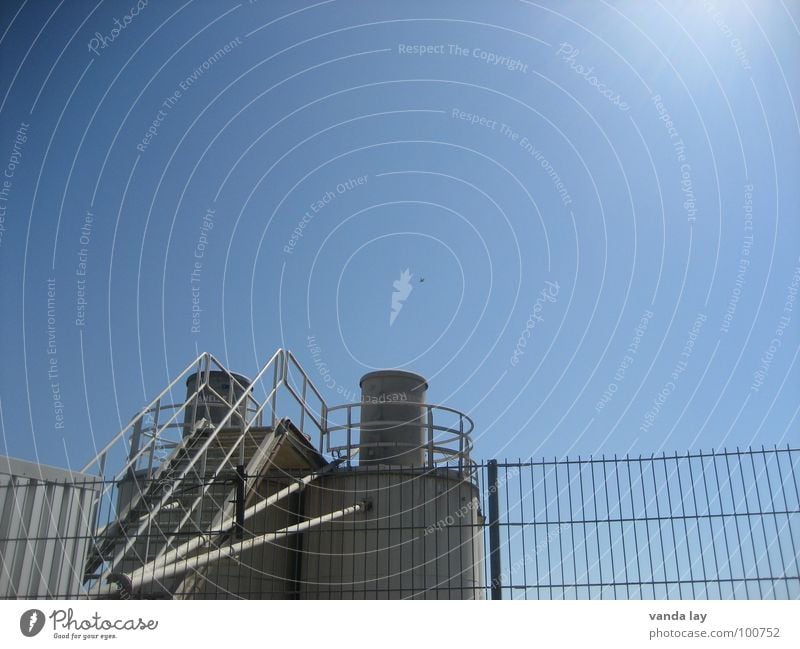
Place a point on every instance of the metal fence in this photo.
(721, 525)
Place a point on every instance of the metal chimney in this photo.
(229, 385)
(393, 418)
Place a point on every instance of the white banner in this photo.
(139, 624)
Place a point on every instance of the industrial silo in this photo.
(217, 395)
(393, 430)
(421, 537)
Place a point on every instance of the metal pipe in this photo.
(231, 551)
(176, 553)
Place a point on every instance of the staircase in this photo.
(181, 516)
(211, 466)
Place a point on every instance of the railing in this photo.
(158, 430)
(149, 444)
(446, 434)
(157, 433)
(164, 439)
(298, 384)
(123, 442)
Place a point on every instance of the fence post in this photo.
(494, 532)
(241, 479)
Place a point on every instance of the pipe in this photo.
(149, 575)
(176, 553)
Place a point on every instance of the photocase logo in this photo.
(31, 622)
(402, 289)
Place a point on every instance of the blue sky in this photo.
(637, 162)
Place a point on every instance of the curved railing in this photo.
(447, 434)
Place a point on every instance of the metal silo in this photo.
(393, 418)
(421, 538)
(214, 400)
(422, 535)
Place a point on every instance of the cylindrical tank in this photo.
(422, 537)
(230, 385)
(396, 397)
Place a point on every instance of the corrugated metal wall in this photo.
(46, 516)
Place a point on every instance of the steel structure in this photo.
(221, 493)
(218, 487)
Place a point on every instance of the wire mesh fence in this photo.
(722, 525)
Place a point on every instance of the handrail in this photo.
(320, 423)
(222, 463)
(170, 487)
(134, 455)
(134, 452)
(296, 363)
(443, 443)
(102, 453)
